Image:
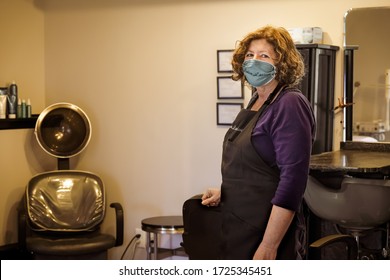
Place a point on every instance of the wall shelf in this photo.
(19, 123)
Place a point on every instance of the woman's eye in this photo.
(251, 55)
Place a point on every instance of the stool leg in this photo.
(148, 246)
(155, 246)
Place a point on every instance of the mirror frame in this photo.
(348, 75)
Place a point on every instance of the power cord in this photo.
(136, 237)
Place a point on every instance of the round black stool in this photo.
(160, 225)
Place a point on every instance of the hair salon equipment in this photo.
(357, 208)
(61, 212)
(12, 100)
(28, 109)
(366, 66)
(350, 190)
(63, 130)
(202, 225)
(3, 103)
(19, 109)
(157, 226)
(24, 109)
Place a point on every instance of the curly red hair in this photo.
(289, 62)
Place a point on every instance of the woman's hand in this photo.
(211, 197)
(265, 253)
(278, 223)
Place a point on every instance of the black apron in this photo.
(248, 186)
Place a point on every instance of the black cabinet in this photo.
(318, 86)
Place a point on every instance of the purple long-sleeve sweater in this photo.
(283, 137)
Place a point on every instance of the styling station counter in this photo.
(356, 158)
(348, 192)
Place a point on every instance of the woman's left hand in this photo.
(265, 253)
(278, 223)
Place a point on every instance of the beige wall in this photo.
(145, 73)
(21, 59)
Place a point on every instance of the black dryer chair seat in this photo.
(59, 217)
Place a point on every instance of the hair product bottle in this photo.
(24, 109)
(12, 100)
(19, 109)
(3, 102)
(28, 108)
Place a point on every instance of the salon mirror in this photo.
(367, 57)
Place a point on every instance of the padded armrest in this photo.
(335, 238)
(119, 223)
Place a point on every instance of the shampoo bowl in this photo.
(356, 204)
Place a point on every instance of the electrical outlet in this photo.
(142, 240)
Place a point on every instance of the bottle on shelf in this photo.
(28, 108)
(12, 100)
(24, 109)
(19, 109)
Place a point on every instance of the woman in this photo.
(266, 152)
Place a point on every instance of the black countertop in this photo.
(354, 157)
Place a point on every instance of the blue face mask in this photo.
(258, 73)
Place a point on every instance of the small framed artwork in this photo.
(227, 112)
(229, 89)
(224, 59)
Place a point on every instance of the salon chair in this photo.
(59, 217)
(357, 207)
(202, 225)
(349, 241)
(61, 211)
(202, 229)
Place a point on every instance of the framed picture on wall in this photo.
(224, 59)
(229, 89)
(227, 112)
